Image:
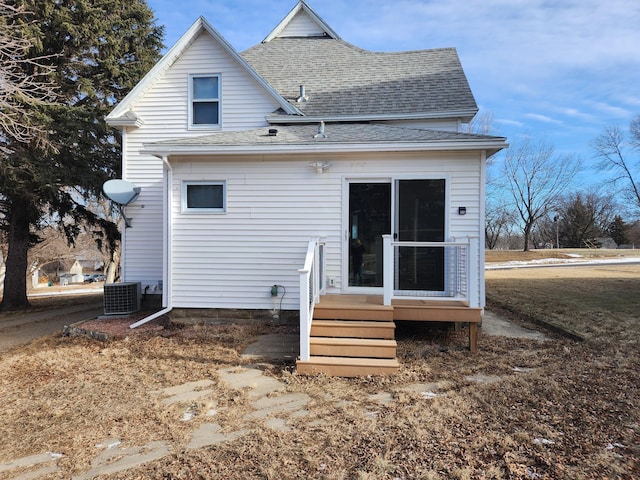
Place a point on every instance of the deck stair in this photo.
(351, 337)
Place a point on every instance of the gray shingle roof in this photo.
(339, 133)
(343, 80)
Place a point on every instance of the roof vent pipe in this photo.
(303, 96)
(320, 133)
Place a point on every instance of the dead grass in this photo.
(68, 394)
(600, 302)
(496, 256)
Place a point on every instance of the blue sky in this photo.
(558, 70)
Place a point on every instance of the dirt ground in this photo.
(519, 409)
(19, 328)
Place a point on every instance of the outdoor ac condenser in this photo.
(121, 298)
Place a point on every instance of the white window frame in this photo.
(187, 183)
(192, 100)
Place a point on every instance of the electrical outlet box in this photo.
(332, 281)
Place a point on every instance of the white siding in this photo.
(301, 25)
(274, 207)
(164, 110)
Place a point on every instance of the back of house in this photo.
(243, 159)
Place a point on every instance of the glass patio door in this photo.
(369, 217)
(420, 217)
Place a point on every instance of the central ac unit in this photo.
(121, 298)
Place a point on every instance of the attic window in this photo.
(205, 100)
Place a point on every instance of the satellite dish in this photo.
(121, 191)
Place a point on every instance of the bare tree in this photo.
(24, 81)
(615, 153)
(497, 222)
(536, 178)
(481, 124)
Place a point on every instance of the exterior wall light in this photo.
(462, 210)
(320, 166)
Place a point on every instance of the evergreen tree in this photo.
(584, 218)
(619, 231)
(99, 50)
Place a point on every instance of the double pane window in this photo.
(205, 100)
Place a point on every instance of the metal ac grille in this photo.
(121, 298)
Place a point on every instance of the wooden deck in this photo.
(354, 335)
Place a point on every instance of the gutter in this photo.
(168, 249)
(290, 119)
(319, 147)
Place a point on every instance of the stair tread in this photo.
(357, 323)
(372, 342)
(371, 306)
(357, 361)
(433, 307)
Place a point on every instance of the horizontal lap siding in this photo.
(301, 26)
(164, 110)
(273, 208)
(231, 260)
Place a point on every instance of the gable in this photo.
(124, 114)
(301, 25)
(243, 101)
(302, 22)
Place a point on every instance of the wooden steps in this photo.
(348, 367)
(351, 337)
(354, 335)
(353, 347)
(369, 312)
(353, 329)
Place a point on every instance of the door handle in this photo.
(395, 236)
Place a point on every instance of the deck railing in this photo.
(312, 285)
(430, 270)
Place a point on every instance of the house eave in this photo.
(168, 150)
(463, 115)
(123, 122)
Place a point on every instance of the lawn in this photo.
(558, 409)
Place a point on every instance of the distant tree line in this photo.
(531, 204)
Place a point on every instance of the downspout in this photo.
(123, 234)
(483, 214)
(167, 249)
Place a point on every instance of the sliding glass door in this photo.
(420, 217)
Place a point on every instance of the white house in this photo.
(305, 173)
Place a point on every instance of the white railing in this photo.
(431, 270)
(312, 285)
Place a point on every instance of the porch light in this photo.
(320, 167)
(462, 210)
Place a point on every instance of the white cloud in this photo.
(575, 113)
(542, 118)
(630, 100)
(612, 110)
(512, 123)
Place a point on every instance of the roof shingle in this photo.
(338, 133)
(343, 80)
